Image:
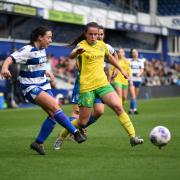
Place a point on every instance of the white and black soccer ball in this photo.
(160, 136)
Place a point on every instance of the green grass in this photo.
(105, 155)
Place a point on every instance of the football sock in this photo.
(46, 129)
(64, 133)
(127, 124)
(123, 101)
(120, 100)
(92, 120)
(63, 120)
(133, 104)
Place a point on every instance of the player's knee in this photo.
(55, 107)
(118, 109)
(98, 113)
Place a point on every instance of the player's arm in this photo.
(130, 77)
(115, 71)
(5, 68)
(112, 60)
(140, 72)
(77, 51)
(52, 78)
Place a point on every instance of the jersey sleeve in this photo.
(110, 49)
(21, 56)
(106, 50)
(142, 64)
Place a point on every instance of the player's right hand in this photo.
(80, 51)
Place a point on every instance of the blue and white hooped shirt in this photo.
(136, 66)
(33, 66)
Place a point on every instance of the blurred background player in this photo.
(98, 108)
(119, 82)
(137, 66)
(36, 87)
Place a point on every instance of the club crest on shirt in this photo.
(35, 90)
(88, 100)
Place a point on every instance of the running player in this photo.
(98, 108)
(36, 87)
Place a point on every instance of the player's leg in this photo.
(110, 98)
(118, 87)
(124, 94)
(49, 104)
(98, 111)
(137, 88)
(64, 132)
(75, 112)
(133, 102)
(85, 101)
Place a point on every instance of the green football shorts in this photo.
(87, 99)
(118, 84)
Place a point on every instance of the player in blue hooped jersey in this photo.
(36, 87)
(137, 66)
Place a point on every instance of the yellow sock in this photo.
(120, 99)
(123, 101)
(127, 124)
(64, 133)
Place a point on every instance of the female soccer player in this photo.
(98, 108)
(36, 87)
(93, 82)
(119, 82)
(137, 66)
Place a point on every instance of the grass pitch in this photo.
(106, 154)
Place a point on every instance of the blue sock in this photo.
(64, 121)
(46, 129)
(91, 121)
(133, 104)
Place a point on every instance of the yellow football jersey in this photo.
(91, 66)
(125, 65)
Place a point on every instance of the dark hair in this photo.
(131, 52)
(101, 27)
(82, 36)
(39, 31)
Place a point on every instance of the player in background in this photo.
(137, 66)
(36, 87)
(119, 82)
(98, 108)
(93, 82)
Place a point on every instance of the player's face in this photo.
(135, 54)
(91, 35)
(101, 34)
(46, 39)
(121, 53)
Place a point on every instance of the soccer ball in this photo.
(160, 136)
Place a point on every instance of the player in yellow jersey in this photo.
(93, 82)
(98, 108)
(119, 82)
